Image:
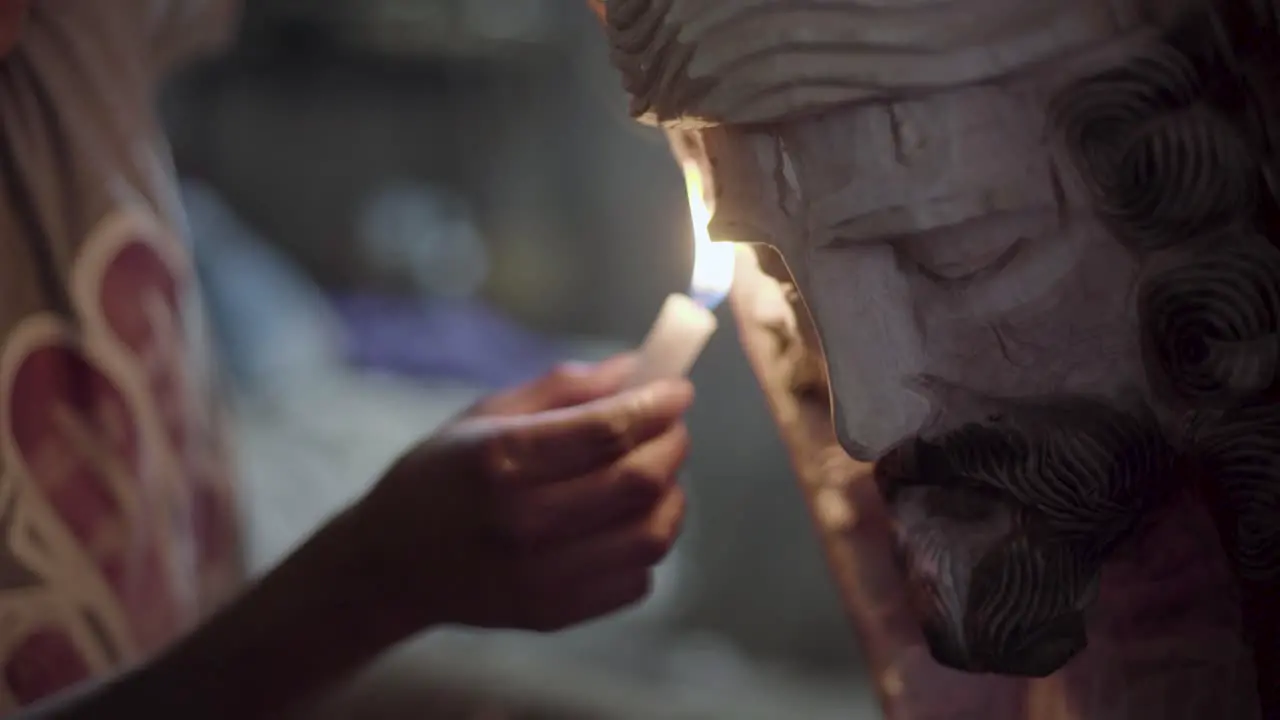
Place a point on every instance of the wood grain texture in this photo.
(695, 62)
(1045, 278)
(781, 346)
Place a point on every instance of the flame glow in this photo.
(712, 262)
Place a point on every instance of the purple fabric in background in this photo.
(457, 340)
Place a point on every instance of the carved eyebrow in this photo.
(961, 212)
(1025, 223)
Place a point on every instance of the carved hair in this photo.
(1162, 164)
(698, 62)
(1209, 323)
(1240, 449)
(1176, 149)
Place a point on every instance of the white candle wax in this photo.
(675, 341)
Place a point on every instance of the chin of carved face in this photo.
(1002, 528)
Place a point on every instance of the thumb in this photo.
(567, 442)
(566, 386)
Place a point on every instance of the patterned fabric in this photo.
(117, 519)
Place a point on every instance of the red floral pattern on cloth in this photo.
(141, 298)
(43, 663)
(79, 443)
(110, 433)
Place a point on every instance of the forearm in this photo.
(303, 627)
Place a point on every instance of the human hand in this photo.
(540, 508)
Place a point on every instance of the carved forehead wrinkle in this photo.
(893, 169)
(751, 187)
(745, 61)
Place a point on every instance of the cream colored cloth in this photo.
(115, 502)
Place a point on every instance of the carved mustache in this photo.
(1077, 475)
(1077, 462)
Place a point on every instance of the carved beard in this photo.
(1002, 527)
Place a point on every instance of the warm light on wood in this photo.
(686, 322)
(712, 261)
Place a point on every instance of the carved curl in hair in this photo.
(1162, 165)
(1209, 324)
(1240, 450)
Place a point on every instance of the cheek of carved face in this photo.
(949, 259)
(925, 334)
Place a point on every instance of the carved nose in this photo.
(873, 345)
(857, 450)
(868, 437)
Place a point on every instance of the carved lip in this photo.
(911, 463)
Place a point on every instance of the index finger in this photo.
(566, 443)
(569, 385)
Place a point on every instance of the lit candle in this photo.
(686, 321)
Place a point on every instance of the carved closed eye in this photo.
(961, 261)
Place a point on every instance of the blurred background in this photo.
(398, 205)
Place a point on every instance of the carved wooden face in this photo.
(1032, 240)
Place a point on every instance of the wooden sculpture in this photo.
(1035, 244)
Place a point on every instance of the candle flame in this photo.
(712, 261)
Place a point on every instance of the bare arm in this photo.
(304, 626)
(543, 507)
